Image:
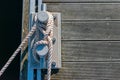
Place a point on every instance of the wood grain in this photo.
(90, 39)
(88, 71)
(86, 11)
(91, 30)
(90, 51)
(59, 1)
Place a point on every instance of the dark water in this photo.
(10, 35)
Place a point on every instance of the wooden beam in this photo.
(86, 11)
(88, 71)
(90, 51)
(80, 1)
(90, 30)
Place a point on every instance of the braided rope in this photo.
(34, 48)
(49, 32)
(17, 50)
(47, 40)
(49, 58)
(50, 25)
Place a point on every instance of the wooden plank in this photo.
(86, 11)
(24, 52)
(79, 56)
(88, 71)
(90, 51)
(81, 1)
(91, 30)
(25, 18)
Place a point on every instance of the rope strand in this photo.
(17, 50)
(49, 32)
(49, 58)
(47, 40)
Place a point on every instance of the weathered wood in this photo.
(24, 52)
(81, 1)
(91, 30)
(86, 11)
(25, 18)
(85, 60)
(88, 71)
(90, 50)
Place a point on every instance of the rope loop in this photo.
(48, 36)
(47, 40)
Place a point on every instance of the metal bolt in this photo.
(53, 40)
(54, 17)
(53, 64)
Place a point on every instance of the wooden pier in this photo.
(90, 39)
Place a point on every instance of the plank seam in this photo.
(82, 2)
(89, 20)
(90, 40)
(90, 61)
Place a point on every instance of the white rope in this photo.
(34, 49)
(49, 32)
(50, 26)
(49, 58)
(17, 50)
(47, 40)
